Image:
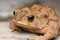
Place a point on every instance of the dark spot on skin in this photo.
(45, 16)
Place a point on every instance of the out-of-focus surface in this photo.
(7, 34)
(7, 6)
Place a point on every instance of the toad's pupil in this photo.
(30, 18)
(14, 12)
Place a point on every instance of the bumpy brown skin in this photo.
(45, 21)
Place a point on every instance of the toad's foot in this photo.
(13, 26)
(37, 38)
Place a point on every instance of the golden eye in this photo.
(31, 18)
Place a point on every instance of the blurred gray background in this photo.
(7, 6)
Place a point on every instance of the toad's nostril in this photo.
(30, 18)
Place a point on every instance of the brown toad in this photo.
(37, 19)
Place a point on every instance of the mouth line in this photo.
(26, 25)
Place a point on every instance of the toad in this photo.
(36, 19)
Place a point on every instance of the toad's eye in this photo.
(30, 18)
(13, 12)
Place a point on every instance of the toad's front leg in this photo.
(47, 36)
(50, 32)
(13, 26)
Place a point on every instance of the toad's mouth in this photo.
(26, 25)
